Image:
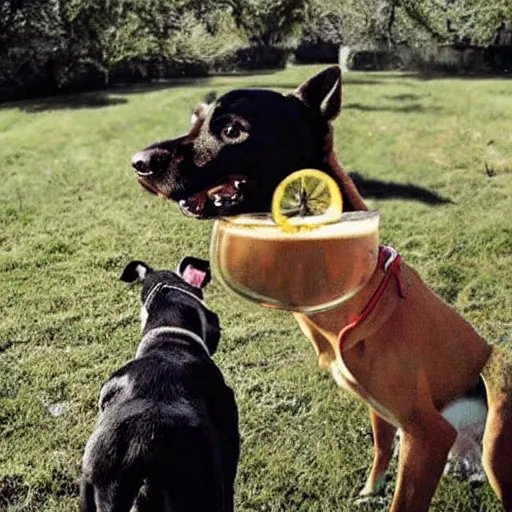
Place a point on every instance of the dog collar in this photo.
(381, 304)
(181, 330)
(151, 336)
(161, 286)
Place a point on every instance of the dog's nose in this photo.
(140, 162)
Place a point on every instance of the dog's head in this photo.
(175, 298)
(242, 145)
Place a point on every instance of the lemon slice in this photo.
(306, 199)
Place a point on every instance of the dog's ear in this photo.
(200, 110)
(195, 271)
(322, 92)
(135, 272)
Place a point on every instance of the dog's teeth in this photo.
(233, 197)
(182, 202)
(236, 184)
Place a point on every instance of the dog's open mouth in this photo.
(217, 200)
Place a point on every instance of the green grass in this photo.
(72, 215)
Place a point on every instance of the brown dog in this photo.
(395, 344)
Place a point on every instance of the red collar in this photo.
(390, 263)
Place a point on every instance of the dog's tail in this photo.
(156, 456)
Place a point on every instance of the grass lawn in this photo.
(72, 215)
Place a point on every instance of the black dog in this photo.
(167, 435)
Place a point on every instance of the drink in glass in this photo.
(305, 271)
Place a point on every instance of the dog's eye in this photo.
(233, 131)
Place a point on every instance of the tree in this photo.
(473, 21)
(29, 34)
(415, 21)
(264, 22)
(324, 22)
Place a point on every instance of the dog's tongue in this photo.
(194, 276)
(196, 203)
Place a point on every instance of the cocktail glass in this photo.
(304, 271)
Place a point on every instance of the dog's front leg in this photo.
(427, 439)
(383, 437)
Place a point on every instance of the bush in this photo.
(320, 52)
(131, 71)
(499, 58)
(321, 38)
(457, 58)
(373, 60)
(261, 57)
(72, 76)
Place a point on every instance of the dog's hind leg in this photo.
(116, 495)
(87, 503)
(497, 454)
(109, 484)
(185, 472)
(383, 439)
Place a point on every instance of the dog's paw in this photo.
(469, 469)
(370, 502)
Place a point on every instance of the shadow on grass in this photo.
(377, 80)
(100, 98)
(346, 81)
(89, 100)
(403, 97)
(111, 96)
(114, 95)
(13, 491)
(158, 85)
(378, 189)
(433, 75)
(223, 80)
(103, 99)
(413, 108)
